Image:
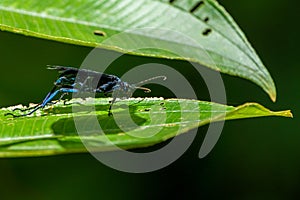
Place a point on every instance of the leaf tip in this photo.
(271, 90)
(287, 113)
(273, 95)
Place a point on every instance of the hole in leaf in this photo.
(196, 6)
(99, 33)
(206, 32)
(206, 19)
(171, 1)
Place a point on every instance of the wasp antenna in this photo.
(58, 68)
(147, 90)
(150, 79)
(51, 67)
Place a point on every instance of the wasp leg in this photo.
(61, 90)
(138, 101)
(26, 109)
(61, 97)
(58, 100)
(110, 106)
(35, 109)
(46, 101)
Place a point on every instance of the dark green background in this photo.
(254, 159)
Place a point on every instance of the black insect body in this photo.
(73, 80)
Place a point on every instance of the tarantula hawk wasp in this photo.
(73, 80)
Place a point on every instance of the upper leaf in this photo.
(198, 31)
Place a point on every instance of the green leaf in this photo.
(54, 130)
(198, 31)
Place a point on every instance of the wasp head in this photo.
(125, 90)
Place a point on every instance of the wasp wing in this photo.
(88, 80)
